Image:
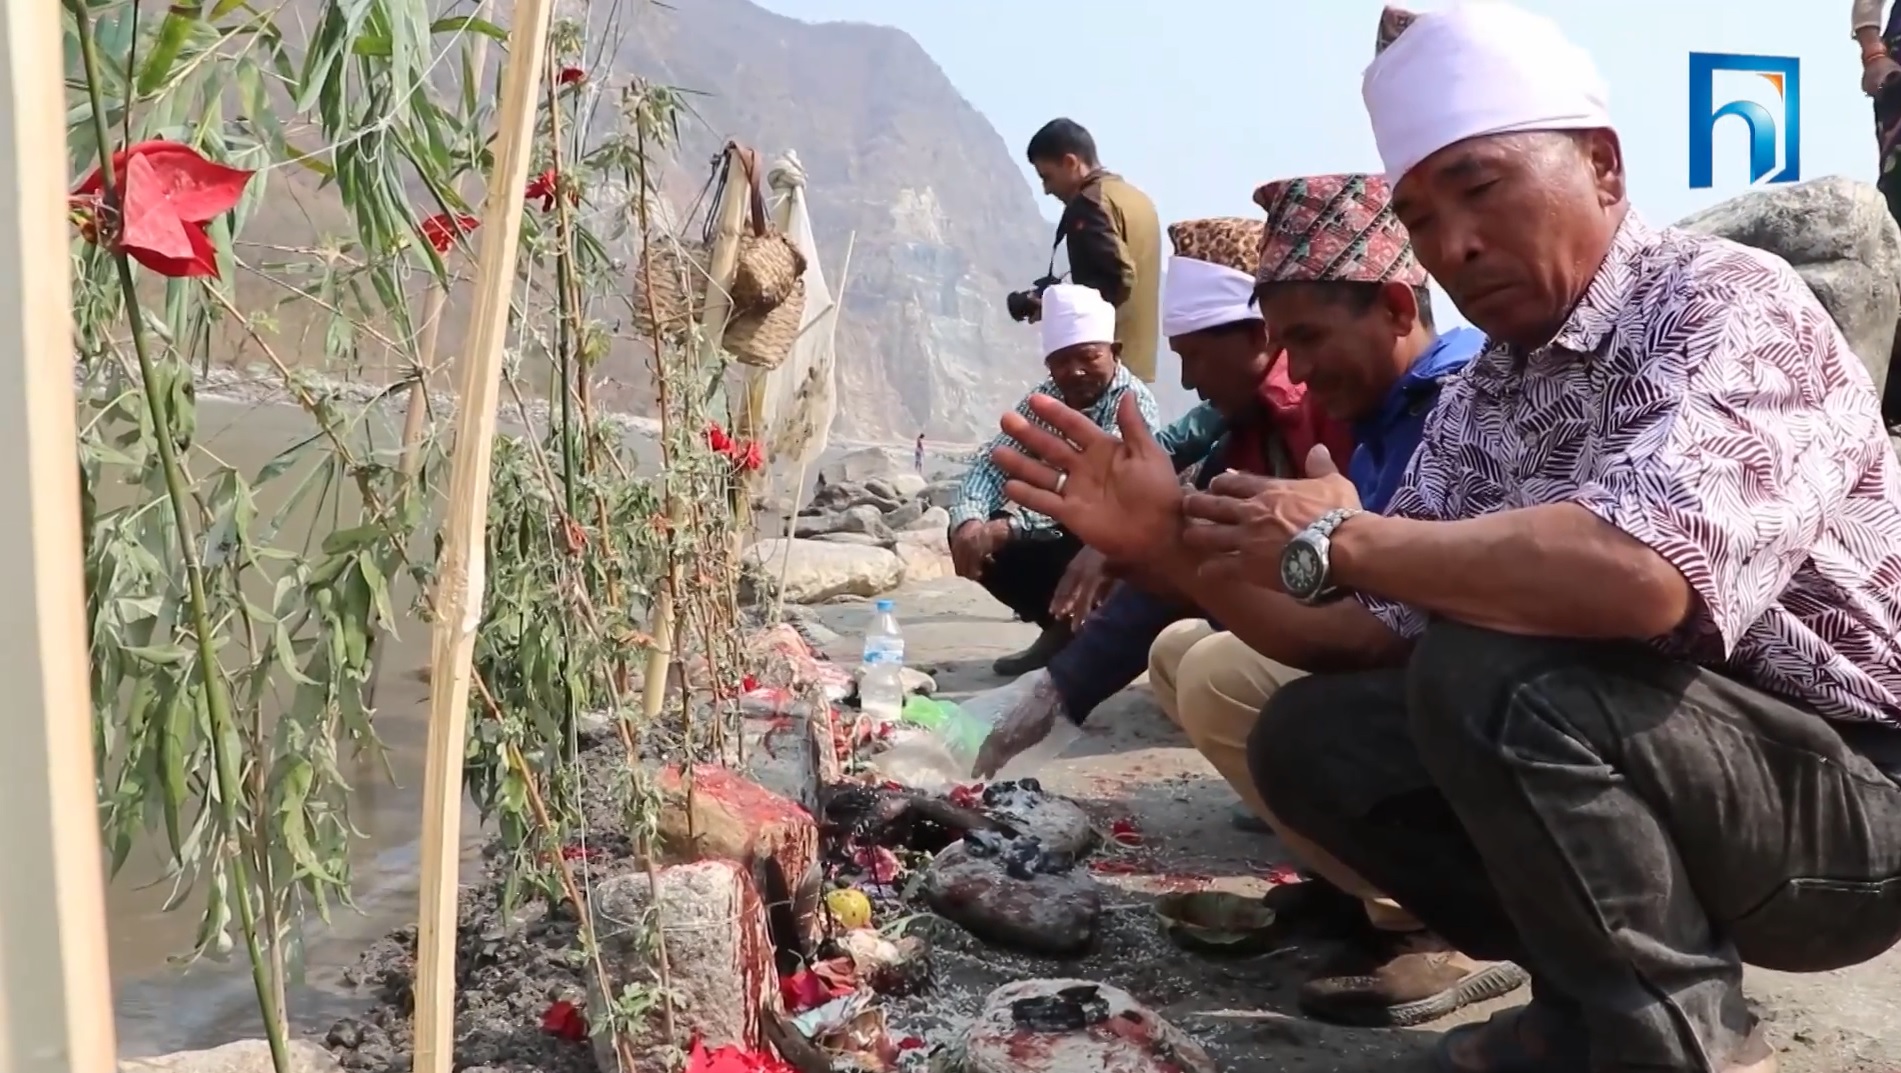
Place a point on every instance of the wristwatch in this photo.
(1306, 561)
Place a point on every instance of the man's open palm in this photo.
(1120, 496)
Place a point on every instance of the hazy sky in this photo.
(1198, 101)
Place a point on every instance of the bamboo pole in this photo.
(729, 219)
(55, 989)
(460, 586)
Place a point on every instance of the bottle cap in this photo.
(886, 605)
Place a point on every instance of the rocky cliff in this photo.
(945, 223)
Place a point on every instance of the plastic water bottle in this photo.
(881, 674)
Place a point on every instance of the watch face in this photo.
(1301, 569)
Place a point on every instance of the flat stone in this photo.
(907, 514)
(923, 563)
(1057, 915)
(815, 570)
(933, 520)
(243, 1056)
(719, 957)
(908, 485)
(1130, 1039)
(1057, 822)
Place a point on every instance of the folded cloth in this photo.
(1197, 295)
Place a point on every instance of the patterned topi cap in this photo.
(1221, 240)
(1334, 228)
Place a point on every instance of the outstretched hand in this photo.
(1120, 496)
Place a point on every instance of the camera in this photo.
(1023, 304)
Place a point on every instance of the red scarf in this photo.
(1298, 419)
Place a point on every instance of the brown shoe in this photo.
(1395, 979)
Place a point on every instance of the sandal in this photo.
(1529, 1039)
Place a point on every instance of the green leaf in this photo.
(471, 24)
(167, 655)
(180, 20)
(343, 541)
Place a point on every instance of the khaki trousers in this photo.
(1214, 686)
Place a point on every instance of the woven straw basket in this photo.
(765, 339)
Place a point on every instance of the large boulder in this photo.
(1840, 238)
(719, 957)
(865, 520)
(815, 570)
(864, 464)
(1060, 1026)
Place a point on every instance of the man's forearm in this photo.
(1338, 636)
(1555, 570)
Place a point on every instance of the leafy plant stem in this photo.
(224, 731)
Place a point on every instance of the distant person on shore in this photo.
(1021, 556)
(917, 455)
(1113, 234)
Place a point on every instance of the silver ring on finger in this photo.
(1061, 480)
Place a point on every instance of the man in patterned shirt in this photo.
(1634, 717)
(1020, 556)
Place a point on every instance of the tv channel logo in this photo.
(1771, 138)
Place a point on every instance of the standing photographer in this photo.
(1114, 237)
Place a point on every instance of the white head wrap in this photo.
(1483, 67)
(1075, 314)
(1201, 294)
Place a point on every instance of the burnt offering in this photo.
(1068, 1010)
(1023, 857)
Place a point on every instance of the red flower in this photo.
(441, 229)
(880, 865)
(717, 439)
(168, 192)
(571, 76)
(1125, 832)
(565, 1021)
(971, 796)
(808, 989)
(748, 684)
(732, 1059)
(545, 186)
(910, 1043)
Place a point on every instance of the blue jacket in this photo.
(1389, 437)
(1112, 649)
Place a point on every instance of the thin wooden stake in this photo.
(459, 590)
(729, 219)
(55, 989)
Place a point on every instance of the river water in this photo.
(163, 1006)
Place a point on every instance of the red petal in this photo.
(198, 189)
(571, 75)
(147, 221)
(1126, 832)
(910, 1043)
(879, 863)
(565, 1020)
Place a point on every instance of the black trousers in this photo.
(1629, 829)
(1024, 573)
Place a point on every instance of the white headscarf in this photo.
(1075, 314)
(1483, 67)
(1201, 294)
